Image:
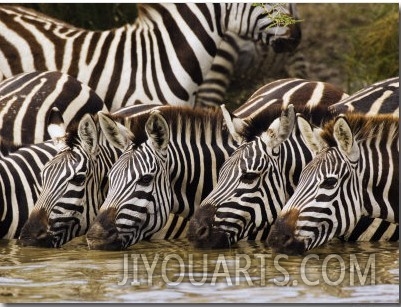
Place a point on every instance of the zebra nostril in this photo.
(287, 239)
(203, 232)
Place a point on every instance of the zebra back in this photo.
(381, 97)
(27, 99)
(141, 62)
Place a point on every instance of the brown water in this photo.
(173, 271)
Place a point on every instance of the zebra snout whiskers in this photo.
(103, 233)
(36, 230)
(282, 237)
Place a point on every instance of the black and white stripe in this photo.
(257, 180)
(26, 101)
(354, 174)
(74, 180)
(382, 97)
(20, 185)
(161, 58)
(170, 171)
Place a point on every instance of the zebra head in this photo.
(334, 190)
(258, 22)
(239, 206)
(74, 182)
(139, 182)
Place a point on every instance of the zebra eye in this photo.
(329, 183)
(78, 180)
(145, 180)
(249, 177)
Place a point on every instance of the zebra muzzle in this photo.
(282, 237)
(35, 231)
(202, 233)
(103, 233)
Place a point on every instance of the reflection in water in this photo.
(173, 271)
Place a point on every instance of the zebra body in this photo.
(258, 179)
(384, 94)
(20, 185)
(136, 63)
(171, 170)
(27, 99)
(354, 174)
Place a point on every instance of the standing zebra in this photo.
(354, 174)
(161, 58)
(27, 99)
(261, 175)
(176, 166)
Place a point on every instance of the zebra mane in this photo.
(177, 116)
(364, 127)
(256, 125)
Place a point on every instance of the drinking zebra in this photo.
(261, 175)
(74, 180)
(20, 184)
(175, 166)
(27, 99)
(161, 58)
(354, 174)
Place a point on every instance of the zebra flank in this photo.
(149, 182)
(355, 174)
(260, 176)
(163, 57)
(27, 99)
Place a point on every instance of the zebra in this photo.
(26, 101)
(259, 177)
(176, 225)
(74, 179)
(163, 57)
(354, 174)
(384, 93)
(20, 184)
(172, 169)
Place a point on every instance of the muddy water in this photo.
(173, 271)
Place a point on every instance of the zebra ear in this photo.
(310, 135)
(345, 139)
(55, 124)
(157, 130)
(280, 129)
(234, 124)
(117, 134)
(56, 127)
(87, 132)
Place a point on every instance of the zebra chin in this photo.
(35, 231)
(103, 233)
(281, 238)
(202, 234)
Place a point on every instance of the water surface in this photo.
(173, 271)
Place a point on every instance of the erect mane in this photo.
(364, 127)
(259, 123)
(179, 115)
